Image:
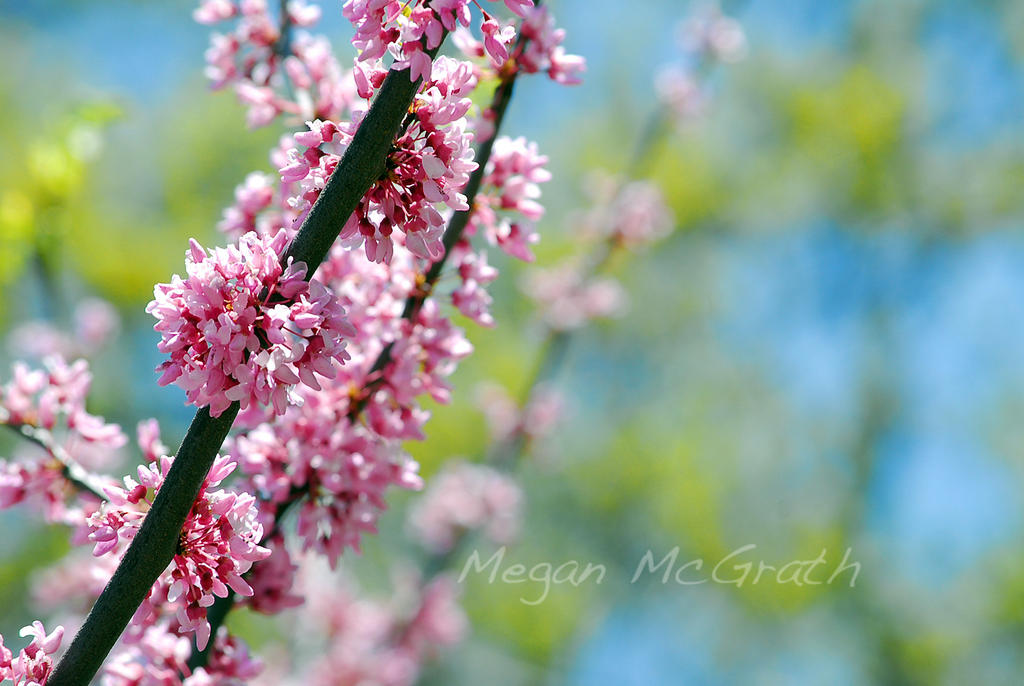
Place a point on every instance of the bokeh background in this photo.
(825, 355)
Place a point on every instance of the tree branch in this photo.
(452, 235)
(153, 547)
(149, 553)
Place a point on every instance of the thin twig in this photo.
(73, 472)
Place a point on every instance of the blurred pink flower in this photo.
(466, 497)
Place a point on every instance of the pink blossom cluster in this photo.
(315, 452)
(678, 88)
(539, 51)
(331, 374)
(710, 34)
(343, 470)
(38, 480)
(252, 197)
(218, 543)
(74, 581)
(273, 580)
(544, 51)
(466, 497)
(428, 166)
(621, 215)
(507, 420)
(707, 37)
(262, 203)
(318, 449)
(156, 656)
(43, 397)
(273, 68)
(410, 30)
(34, 662)
(471, 296)
(494, 46)
(81, 576)
(568, 298)
(631, 214)
(367, 641)
(243, 328)
(48, 406)
(317, 455)
(507, 207)
(159, 657)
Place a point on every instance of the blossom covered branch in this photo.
(314, 338)
(453, 236)
(152, 549)
(252, 333)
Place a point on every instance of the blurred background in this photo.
(825, 355)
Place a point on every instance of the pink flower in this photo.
(633, 215)
(466, 497)
(430, 163)
(568, 299)
(345, 468)
(471, 297)
(243, 328)
(543, 411)
(74, 582)
(48, 406)
(712, 34)
(302, 14)
(680, 91)
(34, 663)
(40, 397)
(520, 7)
(273, 581)
(408, 30)
(253, 196)
(507, 421)
(218, 543)
(96, 323)
(213, 11)
(544, 51)
(147, 434)
(371, 641)
(439, 620)
(497, 40)
(510, 189)
(274, 73)
(158, 656)
(467, 43)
